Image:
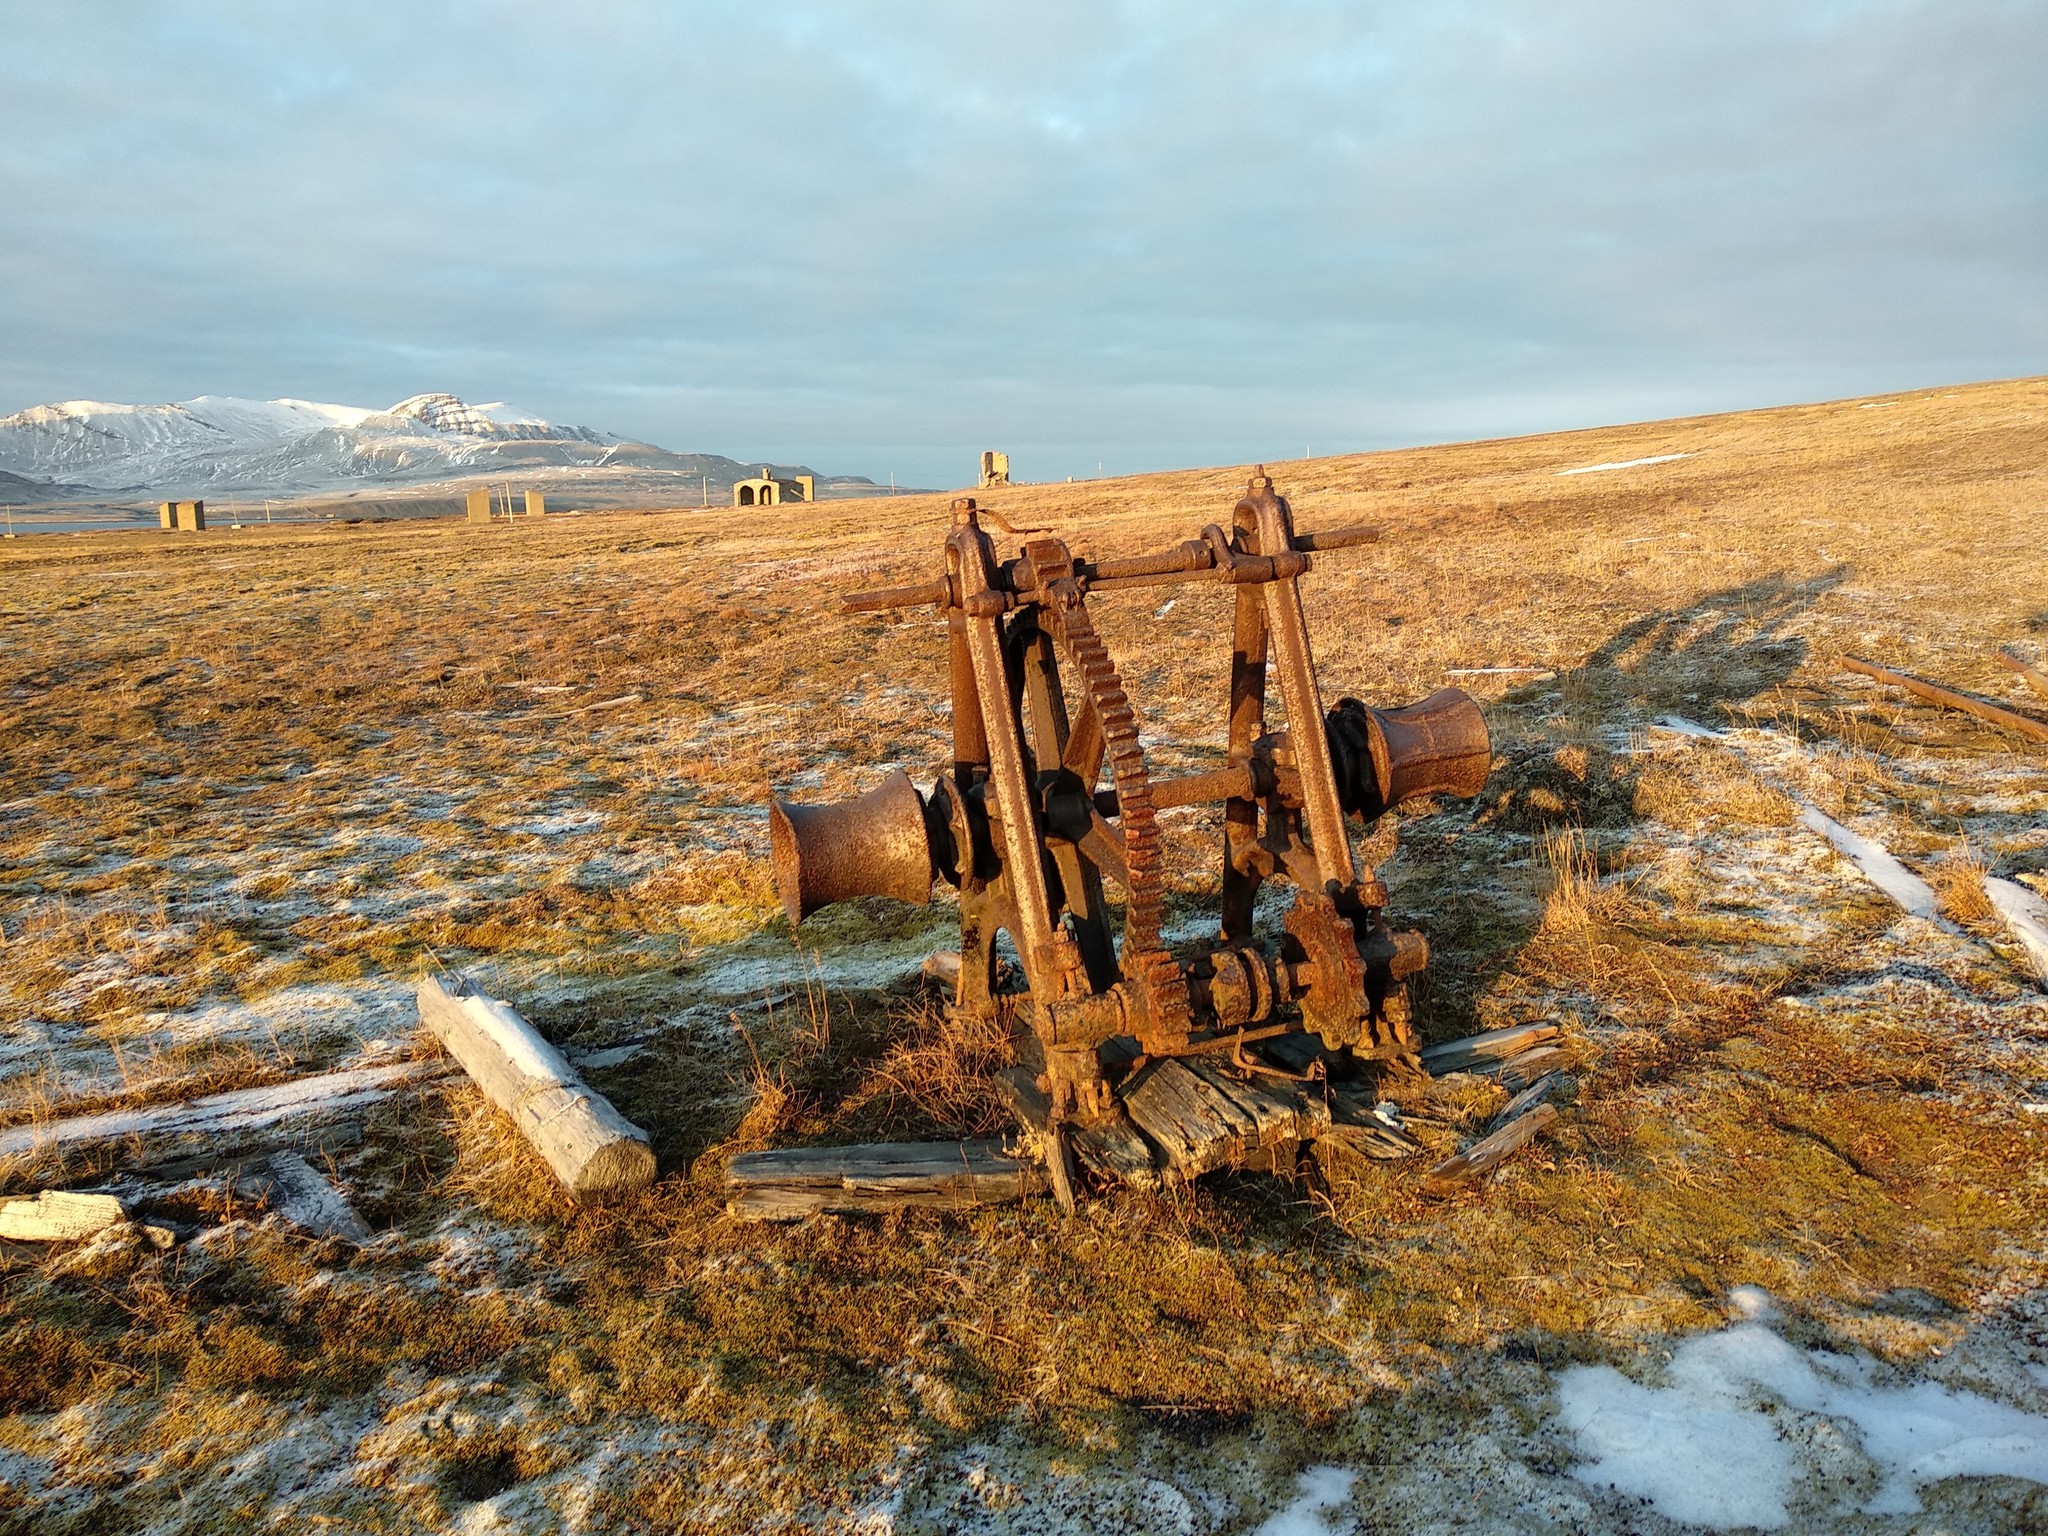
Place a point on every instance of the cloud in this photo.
(884, 235)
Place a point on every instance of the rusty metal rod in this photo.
(2034, 677)
(938, 593)
(1192, 561)
(1968, 703)
(1336, 538)
(1236, 783)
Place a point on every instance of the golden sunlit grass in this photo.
(248, 766)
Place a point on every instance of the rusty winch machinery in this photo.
(1050, 806)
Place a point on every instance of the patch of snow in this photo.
(1594, 469)
(617, 1056)
(1317, 1489)
(1884, 871)
(1717, 1446)
(564, 824)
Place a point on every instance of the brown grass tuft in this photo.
(1958, 882)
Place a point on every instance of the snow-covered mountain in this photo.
(217, 444)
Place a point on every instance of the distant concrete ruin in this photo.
(483, 503)
(765, 490)
(995, 469)
(181, 516)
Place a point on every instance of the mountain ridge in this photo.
(223, 444)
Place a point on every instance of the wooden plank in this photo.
(1470, 1053)
(1028, 1102)
(2033, 676)
(1949, 698)
(1518, 1072)
(793, 1182)
(1541, 1091)
(57, 1216)
(593, 1149)
(1111, 1148)
(219, 1115)
(1482, 1157)
(1280, 1112)
(1196, 1127)
(1357, 1128)
(301, 1194)
(1378, 1141)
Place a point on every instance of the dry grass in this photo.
(255, 768)
(1958, 882)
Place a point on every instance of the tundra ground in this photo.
(255, 783)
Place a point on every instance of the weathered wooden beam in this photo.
(1357, 1127)
(1949, 698)
(1201, 1118)
(2033, 676)
(244, 1111)
(1482, 1157)
(1542, 1091)
(57, 1216)
(793, 1182)
(302, 1195)
(1518, 1072)
(1481, 1052)
(1112, 1149)
(593, 1149)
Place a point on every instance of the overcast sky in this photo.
(880, 237)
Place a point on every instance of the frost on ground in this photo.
(542, 753)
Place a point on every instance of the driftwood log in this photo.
(1949, 698)
(593, 1149)
(794, 1182)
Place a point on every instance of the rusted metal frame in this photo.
(1080, 883)
(1192, 561)
(1242, 856)
(983, 609)
(1249, 783)
(970, 741)
(1327, 832)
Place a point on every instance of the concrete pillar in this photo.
(536, 504)
(480, 504)
(167, 514)
(810, 485)
(191, 516)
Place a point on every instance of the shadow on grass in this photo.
(1560, 760)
